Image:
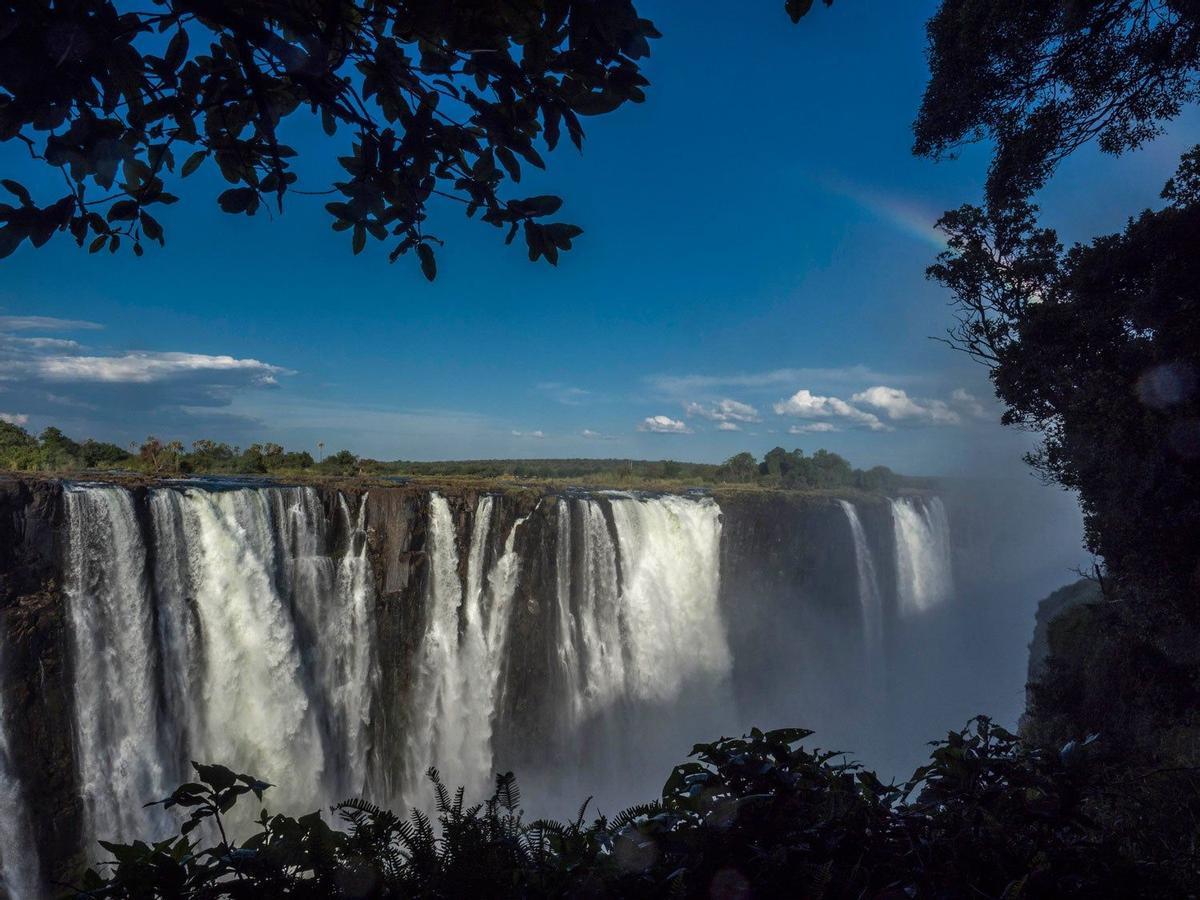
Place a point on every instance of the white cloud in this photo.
(596, 435)
(693, 384)
(729, 426)
(38, 343)
(724, 411)
(141, 367)
(804, 404)
(663, 425)
(898, 406)
(14, 418)
(529, 434)
(968, 402)
(106, 391)
(45, 323)
(813, 428)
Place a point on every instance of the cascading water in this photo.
(118, 739)
(923, 565)
(670, 549)
(18, 855)
(246, 643)
(238, 626)
(253, 708)
(869, 596)
(459, 662)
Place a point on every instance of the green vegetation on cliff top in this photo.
(56, 454)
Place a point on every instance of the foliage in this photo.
(1098, 349)
(427, 99)
(1039, 80)
(756, 816)
(56, 452)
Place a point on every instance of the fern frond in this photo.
(582, 810)
(508, 793)
(633, 813)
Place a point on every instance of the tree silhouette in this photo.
(426, 99)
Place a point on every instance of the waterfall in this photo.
(252, 711)
(868, 587)
(18, 855)
(238, 626)
(353, 669)
(461, 654)
(923, 566)
(234, 637)
(670, 578)
(118, 738)
(601, 636)
(567, 650)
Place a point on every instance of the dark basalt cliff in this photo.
(35, 675)
(787, 567)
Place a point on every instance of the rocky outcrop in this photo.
(36, 677)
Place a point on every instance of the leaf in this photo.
(217, 777)
(123, 211)
(177, 49)
(428, 263)
(17, 190)
(509, 162)
(193, 162)
(152, 229)
(236, 200)
(10, 238)
(360, 239)
(797, 9)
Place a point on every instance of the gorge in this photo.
(338, 640)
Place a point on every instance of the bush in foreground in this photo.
(759, 816)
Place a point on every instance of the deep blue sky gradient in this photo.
(760, 212)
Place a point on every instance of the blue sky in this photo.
(751, 275)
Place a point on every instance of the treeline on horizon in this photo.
(54, 452)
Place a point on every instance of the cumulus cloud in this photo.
(663, 425)
(144, 368)
(694, 384)
(14, 418)
(813, 428)
(529, 434)
(105, 390)
(724, 411)
(804, 404)
(596, 435)
(729, 426)
(898, 406)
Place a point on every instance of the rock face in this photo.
(1061, 601)
(36, 681)
(790, 588)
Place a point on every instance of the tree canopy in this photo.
(424, 100)
(1040, 80)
